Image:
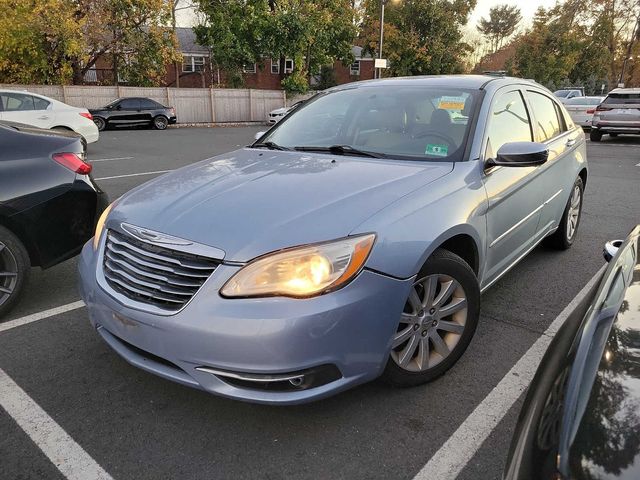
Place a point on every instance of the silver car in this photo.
(582, 109)
(619, 113)
(350, 241)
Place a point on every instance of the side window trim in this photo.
(559, 115)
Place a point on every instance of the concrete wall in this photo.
(193, 105)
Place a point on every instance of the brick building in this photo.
(198, 71)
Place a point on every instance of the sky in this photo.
(527, 9)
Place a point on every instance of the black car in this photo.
(581, 416)
(134, 111)
(49, 203)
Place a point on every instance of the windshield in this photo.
(111, 104)
(412, 122)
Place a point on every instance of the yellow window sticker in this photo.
(451, 103)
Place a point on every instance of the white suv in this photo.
(44, 112)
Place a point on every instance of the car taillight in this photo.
(600, 108)
(591, 111)
(86, 115)
(73, 162)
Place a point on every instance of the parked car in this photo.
(278, 114)
(48, 203)
(581, 416)
(352, 240)
(582, 109)
(569, 93)
(134, 111)
(619, 113)
(44, 112)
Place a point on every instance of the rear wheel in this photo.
(160, 122)
(14, 269)
(564, 236)
(437, 323)
(595, 135)
(100, 123)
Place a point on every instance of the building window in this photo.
(250, 68)
(288, 65)
(275, 66)
(192, 63)
(355, 68)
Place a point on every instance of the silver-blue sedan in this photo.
(350, 241)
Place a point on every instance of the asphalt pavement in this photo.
(138, 426)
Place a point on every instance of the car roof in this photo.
(456, 81)
(625, 90)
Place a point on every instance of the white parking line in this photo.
(18, 322)
(460, 448)
(68, 457)
(109, 159)
(134, 175)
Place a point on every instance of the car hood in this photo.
(250, 202)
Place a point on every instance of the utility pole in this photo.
(382, 4)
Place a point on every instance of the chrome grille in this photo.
(153, 274)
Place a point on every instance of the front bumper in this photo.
(350, 329)
(173, 120)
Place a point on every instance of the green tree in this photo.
(311, 33)
(502, 22)
(421, 37)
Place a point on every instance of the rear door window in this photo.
(508, 122)
(130, 104)
(548, 119)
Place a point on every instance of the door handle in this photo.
(44, 117)
(571, 142)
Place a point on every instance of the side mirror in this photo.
(520, 154)
(258, 135)
(611, 248)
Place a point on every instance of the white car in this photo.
(44, 112)
(279, 113)
(581, 109)
(568, 93)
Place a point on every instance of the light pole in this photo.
(382, 4)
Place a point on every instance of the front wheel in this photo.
(14, 269)
(564, 236)
(595, 135)
(438, 321)
(160, 122)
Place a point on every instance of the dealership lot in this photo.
(135, 425)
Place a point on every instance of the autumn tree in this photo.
(421, 37)
(501, 24)
(58, 41)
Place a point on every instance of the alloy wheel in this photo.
(574, 211)
(160, 123)
(8, 273)
(431, 324)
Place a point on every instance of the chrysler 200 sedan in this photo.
(350, 241)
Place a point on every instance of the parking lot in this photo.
(135, 425)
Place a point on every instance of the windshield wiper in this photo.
(342, 150)
(270, 146)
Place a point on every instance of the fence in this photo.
(193, 105)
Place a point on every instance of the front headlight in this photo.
(100, 225)
(302, 271)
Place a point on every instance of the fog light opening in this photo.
(297, 382)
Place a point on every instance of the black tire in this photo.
(595, 135)
(613, 135)
(14, 260)
(445, 263)
(100, 123)
(561, 239)
(160, 122)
